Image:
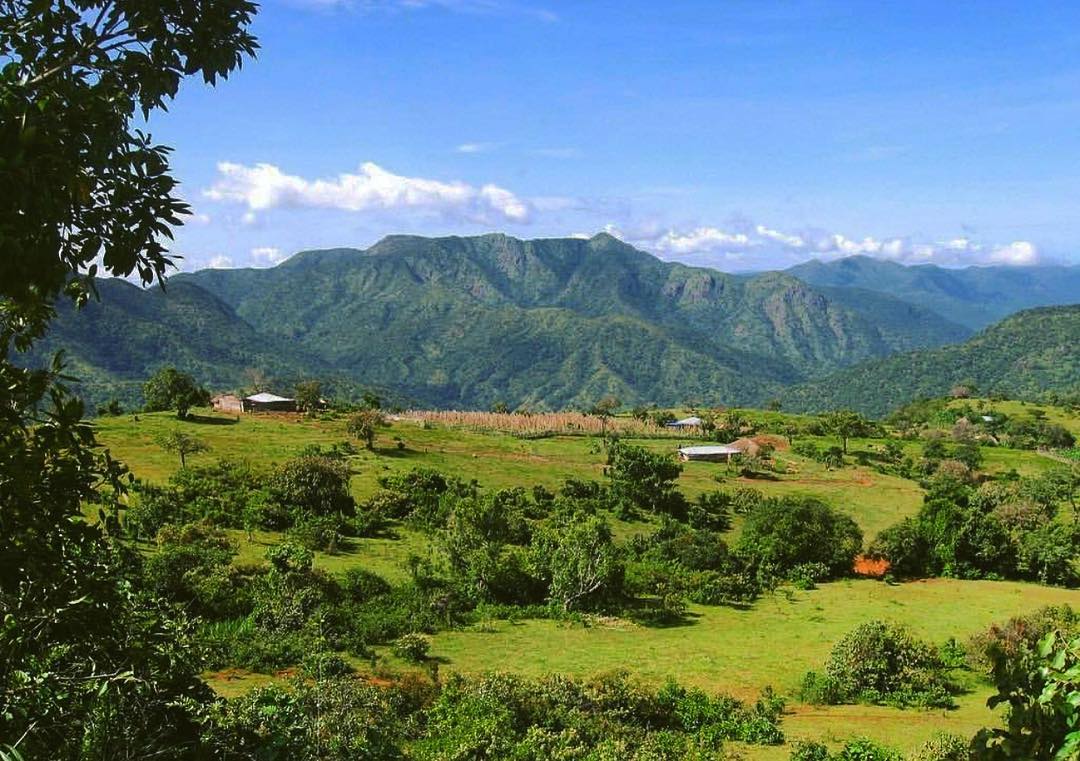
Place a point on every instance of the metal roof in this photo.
(265, 397)
(687, 421)
(721, 449)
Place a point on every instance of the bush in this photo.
(644, 481)
(360, 585)
(313, 486)
(943, 746)
(882, 663)
(412, 647)
(781, 534)
(321, 664)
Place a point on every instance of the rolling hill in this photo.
(1029, 353)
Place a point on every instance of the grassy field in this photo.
(772, 643)
(495, 460)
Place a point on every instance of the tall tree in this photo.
(170, 389)
(309, 395)
(364, 424)
(847, 424)
(90, 668)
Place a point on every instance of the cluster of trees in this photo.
(494, 716)
(1019, 529)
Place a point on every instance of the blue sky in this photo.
(741, 135)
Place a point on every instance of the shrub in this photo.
(781, 534)
(879, 662)
(313, 486)
(644, 481)
(943, 746)
(711, 510)
(321, 664)
(360, 585)
(412, 647)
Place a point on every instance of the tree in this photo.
(579, 558)
(847, 424)
(309, 395)
(604, 409)
(363, 425)
(91, 667)
(644, 480)
(313, 486)
(780, 534)
(182, 444)
(169, 389)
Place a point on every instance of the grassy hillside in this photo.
(973, 297)
(773, 641)
(1024, 355)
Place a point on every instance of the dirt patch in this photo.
(779, 443)
(228, 675)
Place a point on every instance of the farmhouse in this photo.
(713, 453)
(266, 402)
(686, 422)
(227, 403)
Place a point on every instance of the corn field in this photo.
(541, 424)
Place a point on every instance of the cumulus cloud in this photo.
(220, 263)
(267, 255)
(264, 186)
(744, 242)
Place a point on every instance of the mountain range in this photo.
(470, 321)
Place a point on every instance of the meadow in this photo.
(772, 642)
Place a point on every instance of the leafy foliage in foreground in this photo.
(494, 716)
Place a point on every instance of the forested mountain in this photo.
(974, 296)
(466, 322)
(1026, 354)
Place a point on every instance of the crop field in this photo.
(772, 642)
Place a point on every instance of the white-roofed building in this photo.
(711, 453)
(267, 402)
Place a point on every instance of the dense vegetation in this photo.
(1027, 355)
(469, 322)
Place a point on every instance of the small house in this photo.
(712, 453)
(227, 403)
(267, 402)
(686, 422)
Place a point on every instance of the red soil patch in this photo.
(866, 566)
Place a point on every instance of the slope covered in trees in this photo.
(1030, 353)
(469, 321)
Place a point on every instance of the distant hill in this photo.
(973, 297)
(469, 321)
(1031, 352)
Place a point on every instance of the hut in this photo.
(227, 403)
(713, 453)
(267, 402)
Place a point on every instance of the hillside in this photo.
(467, 322)
(1028, 353)
(973, 297)
(470, 321)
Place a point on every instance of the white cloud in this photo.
(268, 255)
(476, 147)
(744, 242)
(220, 263)
(199, 219)
(264, 186)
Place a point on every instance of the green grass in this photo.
(773, 643)
(495, 460)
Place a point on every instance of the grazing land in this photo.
(773, 641)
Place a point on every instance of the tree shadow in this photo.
(395, 453)
(207, 420)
